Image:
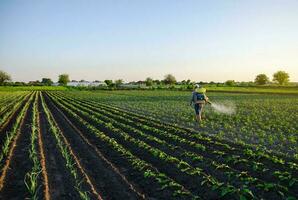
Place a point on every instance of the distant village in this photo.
(74, 83)
(83, 83)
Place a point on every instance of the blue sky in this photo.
(132, 40)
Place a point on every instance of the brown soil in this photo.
(97, 168)
(61, 185)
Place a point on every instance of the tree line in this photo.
(280, 77)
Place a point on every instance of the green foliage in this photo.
(4, 77)
(281, 77)
(230, 83)
(261, 79)
(118, 82)
(109, 82)
(63, 79)
(169, 79)
(46, 81)
(149, 81)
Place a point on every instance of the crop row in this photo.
(181, 164)
(7, 101)
(9, 142)
(202, 160)
(149, 172)
(260, 158)
(32, 180)
(71, 162)
(259, 119)
(11, 108)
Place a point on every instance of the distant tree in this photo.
(35, 83)
(4, 77)
(230, 83)
(169, 79)
(63, 79)
(281, 77)
(19, 83)
(149, 81)
(188, 81)
(82, 80)
(108, 82)
(46, 81)
(118, 82)
(261, 79)
(157, 82)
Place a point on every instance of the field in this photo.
(145, 145)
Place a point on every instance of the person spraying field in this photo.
(198, 101)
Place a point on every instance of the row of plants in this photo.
(8, 99)
(32, 178)
(10, 136)
(123, 98)
(259, 155)
(212, 165)
(65, 151)
(263, 120)
(118, 120)
(248, 157)
(150, 173)
(182, 166)
(8, 143)
(11, 109)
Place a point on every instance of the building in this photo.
(86, 83)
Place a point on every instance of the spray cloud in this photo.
(226, 108)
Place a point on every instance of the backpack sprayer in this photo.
(200, 96)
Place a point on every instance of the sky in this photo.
(214, 40)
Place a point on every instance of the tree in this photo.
(35, 83)
(261, 79)
(281, 77)
(157, 82)
(46, 81)
(63, 79)
(17, 83)
(230, 83)
(108, 82)
(118, 82)
(169, 79)
(4, 77)
(149, 81)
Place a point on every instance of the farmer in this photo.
(199, 99)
